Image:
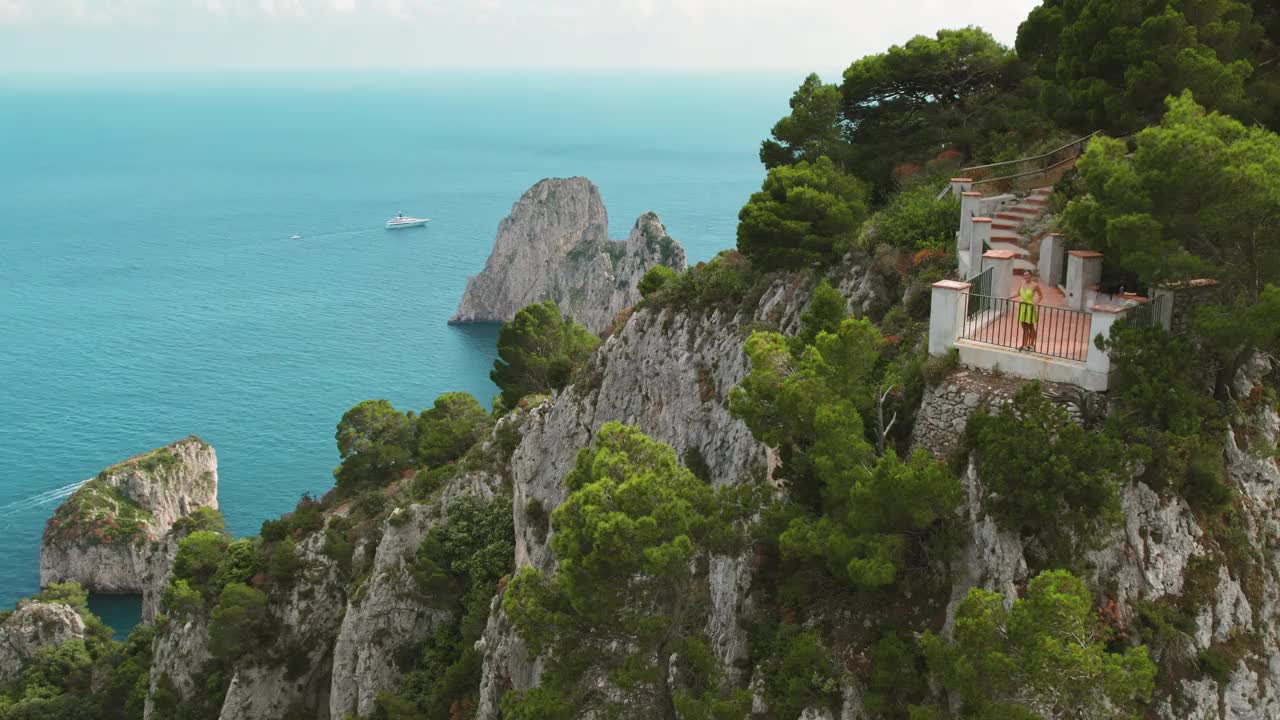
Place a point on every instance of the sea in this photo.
(149, 288)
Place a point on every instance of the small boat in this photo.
(403, 221)
(295, 237)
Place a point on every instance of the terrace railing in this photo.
(1143, 315)
(979, 292)
(1059, 332)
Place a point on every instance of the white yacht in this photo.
(403, 221)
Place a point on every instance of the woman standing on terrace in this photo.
(1029, 295)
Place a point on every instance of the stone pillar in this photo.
(1164, 309)
(1098, 363)
(1084, 270)
(945, 315)
(1001, 264)
(981, 239)
(1050, 263)
(964, 238)
(959, 186)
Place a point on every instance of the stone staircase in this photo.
(1006, 224)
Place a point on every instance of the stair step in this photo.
(1015, 216)
(1005, 236)
(1042, 202)
(1046, 190)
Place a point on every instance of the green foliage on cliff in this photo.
(726, 282)
(239, 624)
(376, 443)
(631, 541)
(456, 567)
(912, 220)
(1046, 477)
(654, 278)
(453, 424)
(98, 513)
(1196, 199)
(538, 351)
(803, 214)
(92, 679)
(1045, 656)
(859, 513)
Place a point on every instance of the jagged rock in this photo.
(555, 245)
(100, 536)
(386, 616)
(33, 626)
(179, 653)
(309, 617)
(155, 577)
(668, 373)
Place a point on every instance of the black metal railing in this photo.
(1143, 315)
(1054, 331)
(979, 293)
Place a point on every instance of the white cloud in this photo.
(824, 35)
(13, 11)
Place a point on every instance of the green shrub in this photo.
(654, 279)
(376, 443)
(1046, 477)
(239, 623)
(802, 675)
(198, 559)
(181, 600)
(284, 564)
(914, 219)
(204, 518)
(938, 367)
(538, 351)
(722, 283)
(804, 213)
(538, 518)
(369, 503)
(453, 424)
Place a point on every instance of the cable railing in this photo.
(1042, 329)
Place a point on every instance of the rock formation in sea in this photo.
(34, 625)
(103, 536)
(555, 246)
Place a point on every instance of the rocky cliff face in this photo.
(35, 625)
(101, 536)
(555, 246)
(668, 373)
(1162, 553)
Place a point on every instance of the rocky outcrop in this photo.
(101, 536)
(385, 617)
(309, 615)
(35, 625)
(669, 373)
(555, 246)
(178, 656)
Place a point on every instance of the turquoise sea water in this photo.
(149, 289)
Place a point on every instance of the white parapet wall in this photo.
(946, 314)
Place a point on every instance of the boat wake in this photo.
(10, 510)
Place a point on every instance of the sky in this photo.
(161, 35)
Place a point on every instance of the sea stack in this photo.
(555, 246)
(101, 536)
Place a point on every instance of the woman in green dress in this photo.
(1029, 295)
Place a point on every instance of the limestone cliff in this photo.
(101, 536)
(668, 372)
(555, 246)
(35, 625)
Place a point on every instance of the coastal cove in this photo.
(150, 289)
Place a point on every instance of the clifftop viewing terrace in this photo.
(1052, 331)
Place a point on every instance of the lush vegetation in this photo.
(802, 215)
(538, 351)
(1046, 656)
(631, 541)
(1048, 478)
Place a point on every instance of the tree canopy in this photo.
(1109, 64)
(802, 215)
(538, 350)
(375, 442)
(1046, 656)
(1197, 198)
(454, 423)
(626, 541)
